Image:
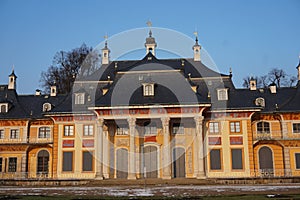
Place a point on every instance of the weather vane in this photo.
(105, 36)
(196, 33)
(149, 23)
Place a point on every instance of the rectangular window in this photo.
(235, 127)
(215, 159)
(222, 94)
(44, 132)
(79, 98)
(297, 159)
(67, 161)
(263, 127)
(88, 130)
(87, 161)
(14, 134)
(150, 130)
(12, 164)
(148, 89)
(214, 127)
(1, 164)
(69, 130)
(122, 129)
(1, 134)
(296, 128)
(237, 159)
(178, 128)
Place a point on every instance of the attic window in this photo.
(222, 94)
(260, 102)
(46, 107)
(3, 108)
(148, 89)
(79, 98)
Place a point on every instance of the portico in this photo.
(145, 143)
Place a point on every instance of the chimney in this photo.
(252, 84)
(37, 92)
(273, 88)
(53, 91)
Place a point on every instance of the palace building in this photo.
(151, 118)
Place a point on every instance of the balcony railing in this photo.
(275, 135)
(26, 141)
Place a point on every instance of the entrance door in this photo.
(266, 161)
(178, 162)
(122, 163)
(43, 163)
(150, 160)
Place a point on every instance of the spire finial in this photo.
(230, 71)
(196, 34)
(106, 37)
(149, 24)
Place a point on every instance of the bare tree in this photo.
(66, 66)
(277, 76)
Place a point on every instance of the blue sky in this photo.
(250, 36)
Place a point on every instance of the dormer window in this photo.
(222, 94)
(148, 89)
(260, 102)
(79, 98)
(46, 107)
(3, 108)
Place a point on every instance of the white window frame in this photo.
(44, 132)
(2, 133)
(122, 129)
(46, 107)
(6, 107)
(214, 127)
(298, 129)
(222, 94)
(68, 130)
(235, 127)
(15, 133)
(148, 89)
(88, 130)
(79, 98)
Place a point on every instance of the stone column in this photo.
(99, 150)
(131, 169)
(166, 149)
(200, 146)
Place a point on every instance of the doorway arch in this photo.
(43, 163)
(266, 163)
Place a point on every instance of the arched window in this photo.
(148, 89)
(263, 127)
(46, 107)
(43, 162)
